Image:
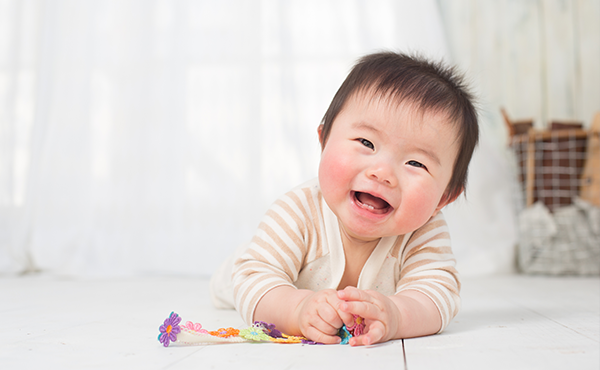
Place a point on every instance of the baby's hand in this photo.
(319, 317)
(382, 317)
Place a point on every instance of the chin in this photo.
(364, 233)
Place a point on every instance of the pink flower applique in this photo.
(195, 327)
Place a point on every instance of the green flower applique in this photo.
(256, 334)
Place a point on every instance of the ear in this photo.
(320, 131)
(446, 199)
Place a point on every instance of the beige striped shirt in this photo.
(298, 244)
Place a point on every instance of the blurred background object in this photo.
(149, 137)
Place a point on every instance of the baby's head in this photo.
(424, 86)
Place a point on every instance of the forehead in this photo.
(399, 111)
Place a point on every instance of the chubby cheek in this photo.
(421, 202)
(334, 172)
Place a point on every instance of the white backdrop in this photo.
(148, 137)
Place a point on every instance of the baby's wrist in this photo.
(398, 328)
(301, 299)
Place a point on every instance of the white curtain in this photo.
(144, 137)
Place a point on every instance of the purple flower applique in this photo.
(269, 329)
(169, 329)
(311, 342)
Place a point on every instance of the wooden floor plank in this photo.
(257, 356)
(517, 323)
(573, 302)
(508, 322)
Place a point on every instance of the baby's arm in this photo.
(407, 314)
(427, 295)
(315, 315)
(288, 238)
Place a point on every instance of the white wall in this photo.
(537, 59)
(144, 137)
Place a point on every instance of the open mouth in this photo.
(371, 203)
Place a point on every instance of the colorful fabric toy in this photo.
(193, 334)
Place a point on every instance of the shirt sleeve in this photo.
(277, 251)
(428, 265)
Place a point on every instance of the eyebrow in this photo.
(366, 126)
(431, 155)
(426, 152)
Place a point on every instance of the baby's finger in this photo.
(341, 317)
(316, 335)
(375, 333)
(347, 318)
(353, 294)
(362, 340)
(328, 320)
(363, 309)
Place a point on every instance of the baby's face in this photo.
(385, 167)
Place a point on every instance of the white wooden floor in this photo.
(511, 322)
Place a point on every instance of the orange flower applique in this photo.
(225, 333)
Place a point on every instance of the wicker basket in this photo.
(559, 177)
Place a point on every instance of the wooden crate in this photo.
(559, 174)
(558, 164)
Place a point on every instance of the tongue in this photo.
(372, 201)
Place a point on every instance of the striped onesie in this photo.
(298, 244)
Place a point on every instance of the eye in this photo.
(367, 143)
(416, 164)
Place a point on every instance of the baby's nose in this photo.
(384, 174)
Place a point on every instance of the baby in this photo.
(367, 236)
